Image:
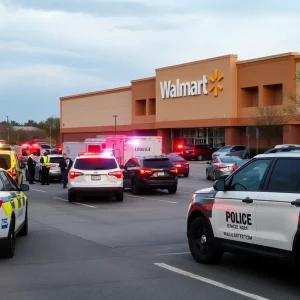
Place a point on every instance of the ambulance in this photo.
(26, 149)
(121, 146)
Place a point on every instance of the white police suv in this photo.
(95, 174)
(256, 209)
(13, 213)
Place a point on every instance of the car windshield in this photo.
(225, 149)
(176, 158)
(5, 161)
(95, 163)
(55, 160)
(158, 163)
(241, 162)
(229, 160)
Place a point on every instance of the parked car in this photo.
(286, 145)
(220, 167)
(239, 163)
(183, 167)
(54, 173)
(236, 150)
(283, 149)
(150, 172)
(198, 152)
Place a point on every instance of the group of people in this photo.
(65, 165)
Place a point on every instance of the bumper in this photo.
(96, 190)
(158, 184)
(223, 175)
(55, 175)
(182, 171)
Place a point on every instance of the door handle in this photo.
(296, 202)
(247, 200)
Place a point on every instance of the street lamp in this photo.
(115, 116)
(7, 129)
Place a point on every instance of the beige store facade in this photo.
(207, 101)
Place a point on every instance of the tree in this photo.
(31, 123)
(294, 110)
(52, 127)
(270, 119)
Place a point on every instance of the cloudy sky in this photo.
(52, 48)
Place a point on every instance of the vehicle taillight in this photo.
(13, 173)
(73, 174)
(145, 171)
(234, 168)
(0, 202)
(222, 166)
(174, 170)
(117, 174)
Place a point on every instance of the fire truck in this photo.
(122, 147)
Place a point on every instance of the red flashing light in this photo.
(145, 171)
(117, 174)
(73, 174)
(179, 146)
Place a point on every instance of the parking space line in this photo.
(178, 253)
(38, 190)
(153, 199)
(78, 203)
(209, 281)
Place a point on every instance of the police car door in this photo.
(16, 198)
(234, 209)
(278, 211)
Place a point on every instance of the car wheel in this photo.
(199, 157)
(8, 251)
(135, 188)
(120, 197)
(24, 230)
(172, 190)
(186, 175)
(207, 176)
(71, 197)
(202, 243)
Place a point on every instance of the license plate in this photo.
(160, 173)
(178, 166)
(96, 177)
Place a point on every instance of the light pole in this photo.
(7, 129)
(50, 132)
(115, 116)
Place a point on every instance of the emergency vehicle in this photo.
(256, 209)
(28, 148)
(13, 213)
(123, 147)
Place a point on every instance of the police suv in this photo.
(13, 213)
(95, 173)
(255, 209)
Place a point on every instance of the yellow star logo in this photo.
(215, 79)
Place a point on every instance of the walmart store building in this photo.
(208, 101)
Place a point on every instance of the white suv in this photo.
(95, 174)
(256, 209)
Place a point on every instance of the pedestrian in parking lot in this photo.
(31, 167)
(45, 162)
(65, 165)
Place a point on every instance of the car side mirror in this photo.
(24, 187)
(219, 185)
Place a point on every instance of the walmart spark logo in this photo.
(217, 86)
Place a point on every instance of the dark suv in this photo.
(150, 172)
(197, 152)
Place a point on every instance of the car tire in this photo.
(120, 197)
(135, 188)
(207, 176)
(172, 190)
(8, 250)
(199, 157)
(24, 230)
(186, 175)
(71, 197)
(202, 243)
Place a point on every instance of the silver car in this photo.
(237, 150)
(54, 172)
(220, 167)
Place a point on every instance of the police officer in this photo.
(45, 162)
(65, 165)
(31, 167)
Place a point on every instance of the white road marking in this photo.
(91, 206)
(38, 190)
(209, 281)
(62, 199)
(152, 199)
(178, 253)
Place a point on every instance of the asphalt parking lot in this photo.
(137, 249)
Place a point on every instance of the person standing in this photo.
(31, 168)
(65, 165)
(45, 162)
